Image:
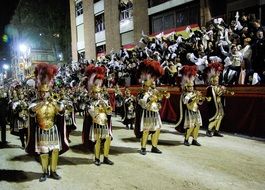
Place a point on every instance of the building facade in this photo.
(101, 26)
(98, 27)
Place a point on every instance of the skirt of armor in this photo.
(69, 121)
(96, 129)
(22, 124)
(150, 121)
(47, 140)
(192, 118)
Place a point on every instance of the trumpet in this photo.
(162, 94)
(104, 107)
(200, 98)
(221, 90)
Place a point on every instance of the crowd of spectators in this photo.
(239, 46)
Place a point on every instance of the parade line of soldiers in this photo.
(43, 116)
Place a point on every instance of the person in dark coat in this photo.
(3, 114)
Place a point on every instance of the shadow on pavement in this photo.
(65, 160)
(118, 127)
(131, 139)
(115, 150)
(80, 148)
(18, 176)
(76, 133)
(23, 158)
(160, 142)
(2, 146)
(169, 143)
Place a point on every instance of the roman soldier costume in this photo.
(21, 116)
(47, 131)
(190, 117)
(148, 119)
(215, 106)
(129, 109)
(97, 127)
(69, 113)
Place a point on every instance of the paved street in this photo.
(232, 162)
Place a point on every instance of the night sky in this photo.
(7, 9)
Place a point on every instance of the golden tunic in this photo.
(100, 116)
(45, 113)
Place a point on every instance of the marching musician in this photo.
(216, 105)
(97, 127)
(129, 109)
(69, 114)
(47, 132)
(148, 119)
(21, 116)
(190, 116)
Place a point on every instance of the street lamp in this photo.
(5, 67)
(24, 62)
(23, 48)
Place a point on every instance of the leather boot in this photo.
(209, 133)
(54, 175)
(155, 150)
(107, 161)
(194, 142)
(97, 162)
(143, 151)
(43, 177)
(186, 142)
(217, 134)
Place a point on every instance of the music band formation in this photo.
(44, 116)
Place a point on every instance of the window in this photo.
(163, 21)
(99, 23)
(179, 16)
(169, 21)
(126, 9)
(79, 8)
(127, 38)
(157, 24)
(182, 18)
(80, 33)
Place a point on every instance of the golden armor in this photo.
(45, 113)
(101, 112)
(23, 114)
(156, 96)
(44, 88)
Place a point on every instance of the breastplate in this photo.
(193, 106)
(100, 116)
(153, 106)
(45, 114)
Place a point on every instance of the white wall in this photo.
(167, 5)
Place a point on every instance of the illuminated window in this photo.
(79, 8)
(99, 23)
